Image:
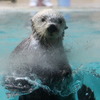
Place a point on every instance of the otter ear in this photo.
(66, 27)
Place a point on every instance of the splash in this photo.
(25, 85)
(93, 68)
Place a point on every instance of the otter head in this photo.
(48, 24)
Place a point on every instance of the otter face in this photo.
(49, 24)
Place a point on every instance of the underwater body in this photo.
(81, 42)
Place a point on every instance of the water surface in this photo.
(82, 42)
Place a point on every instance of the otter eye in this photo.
(60, 21)
(43, 19)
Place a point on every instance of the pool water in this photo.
(82, 42)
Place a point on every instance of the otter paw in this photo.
(17, 85)
(85, 93)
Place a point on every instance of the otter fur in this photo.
(43, 54)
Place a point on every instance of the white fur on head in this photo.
(43, 19)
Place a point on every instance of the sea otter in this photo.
(42, 55)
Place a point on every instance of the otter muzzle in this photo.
(52, 28)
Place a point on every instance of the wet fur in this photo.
(52, 47)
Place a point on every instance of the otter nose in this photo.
(52, 28)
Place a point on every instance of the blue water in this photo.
(82, 43)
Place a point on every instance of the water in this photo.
(81, 41)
